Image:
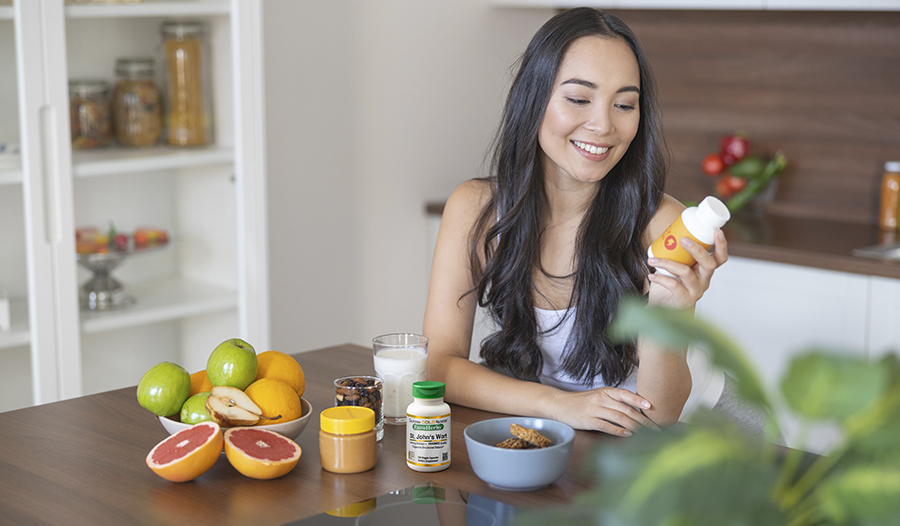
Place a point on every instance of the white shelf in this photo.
(112, 161)
(157, 301)
(10, 177)
(18, 333)
(149, 8)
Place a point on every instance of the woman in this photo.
(558, 234)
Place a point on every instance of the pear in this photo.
(229, 407)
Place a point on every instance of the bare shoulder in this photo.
(668, 211)
(466, 202)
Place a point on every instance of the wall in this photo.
(821, 86)
(373, 109)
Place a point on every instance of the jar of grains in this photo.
(89, 113)
(187, 115)
(137, 117)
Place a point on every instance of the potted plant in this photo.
(710, 472)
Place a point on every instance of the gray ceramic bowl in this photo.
(518, 469)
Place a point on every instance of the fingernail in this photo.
(652, 261)
(645, 404)
(686, 241)
(626, 433)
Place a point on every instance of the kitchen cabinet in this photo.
(811, 5)
(209, 284)
(777, 311)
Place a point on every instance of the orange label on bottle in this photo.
(668, 245)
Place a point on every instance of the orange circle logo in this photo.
(670, 242)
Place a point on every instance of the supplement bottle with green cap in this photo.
(428, 428)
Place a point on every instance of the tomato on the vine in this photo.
(713, 164)
(734, 148)
(728, 185)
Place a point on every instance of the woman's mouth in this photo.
(591, 149)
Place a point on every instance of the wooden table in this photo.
(81, 461)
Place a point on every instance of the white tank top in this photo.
(553, 345)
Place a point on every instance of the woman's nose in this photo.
(599, 122)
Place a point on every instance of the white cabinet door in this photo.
(884, 317)
(775, 311)
(47, 189)
(210, 283)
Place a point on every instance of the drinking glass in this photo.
(400, 360)
(362, 391)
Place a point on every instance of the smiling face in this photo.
(593, 112)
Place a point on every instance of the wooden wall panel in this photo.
(824, 87)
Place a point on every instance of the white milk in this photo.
(399, 368)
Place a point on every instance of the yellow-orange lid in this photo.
(354, 510)
(347, 420)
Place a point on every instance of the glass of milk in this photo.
(399, 361)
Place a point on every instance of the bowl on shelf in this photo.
(291, 429)
(518, 469)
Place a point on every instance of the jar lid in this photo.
(892, 166)
(135, 65)
(347, 420)
(182, 29)
(428, 389)
(355, 509)
(88, 86)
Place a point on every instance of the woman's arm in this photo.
(663, 375)
(448, 325)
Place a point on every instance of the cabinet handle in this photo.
(50, 169)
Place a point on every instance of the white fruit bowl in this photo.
(290, 429)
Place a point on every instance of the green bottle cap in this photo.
(429, 494)
(428, 389)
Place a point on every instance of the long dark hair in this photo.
(611, 258)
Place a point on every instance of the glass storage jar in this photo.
(347, 441)
(187, 97)
(137, 118)
(89, 114)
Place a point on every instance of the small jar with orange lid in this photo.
(347, 441)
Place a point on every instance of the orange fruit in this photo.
(188, 453)
(260, 453)
(200, 382)
(275, 399)
(281, 366)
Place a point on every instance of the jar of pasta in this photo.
(187, 115)
(137, 117)
(89, 114)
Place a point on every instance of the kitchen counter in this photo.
(81, 461)
(799, 241)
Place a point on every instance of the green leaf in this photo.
(863, 494)
(823, 386)
(707, 473)
(678, 328)
(749, 167)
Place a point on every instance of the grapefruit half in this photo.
(260, 453)
(188, 453)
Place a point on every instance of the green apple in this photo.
(232, 363)
(194, 409)
(164, 388)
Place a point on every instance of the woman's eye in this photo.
(577, 102)
(625, 107)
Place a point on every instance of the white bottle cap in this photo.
(892, 166)
(713, 212)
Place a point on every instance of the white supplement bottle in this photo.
(698, 223)
(428, 428)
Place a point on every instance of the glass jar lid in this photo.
(182, 29)
(87, 87)
(134, 66)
